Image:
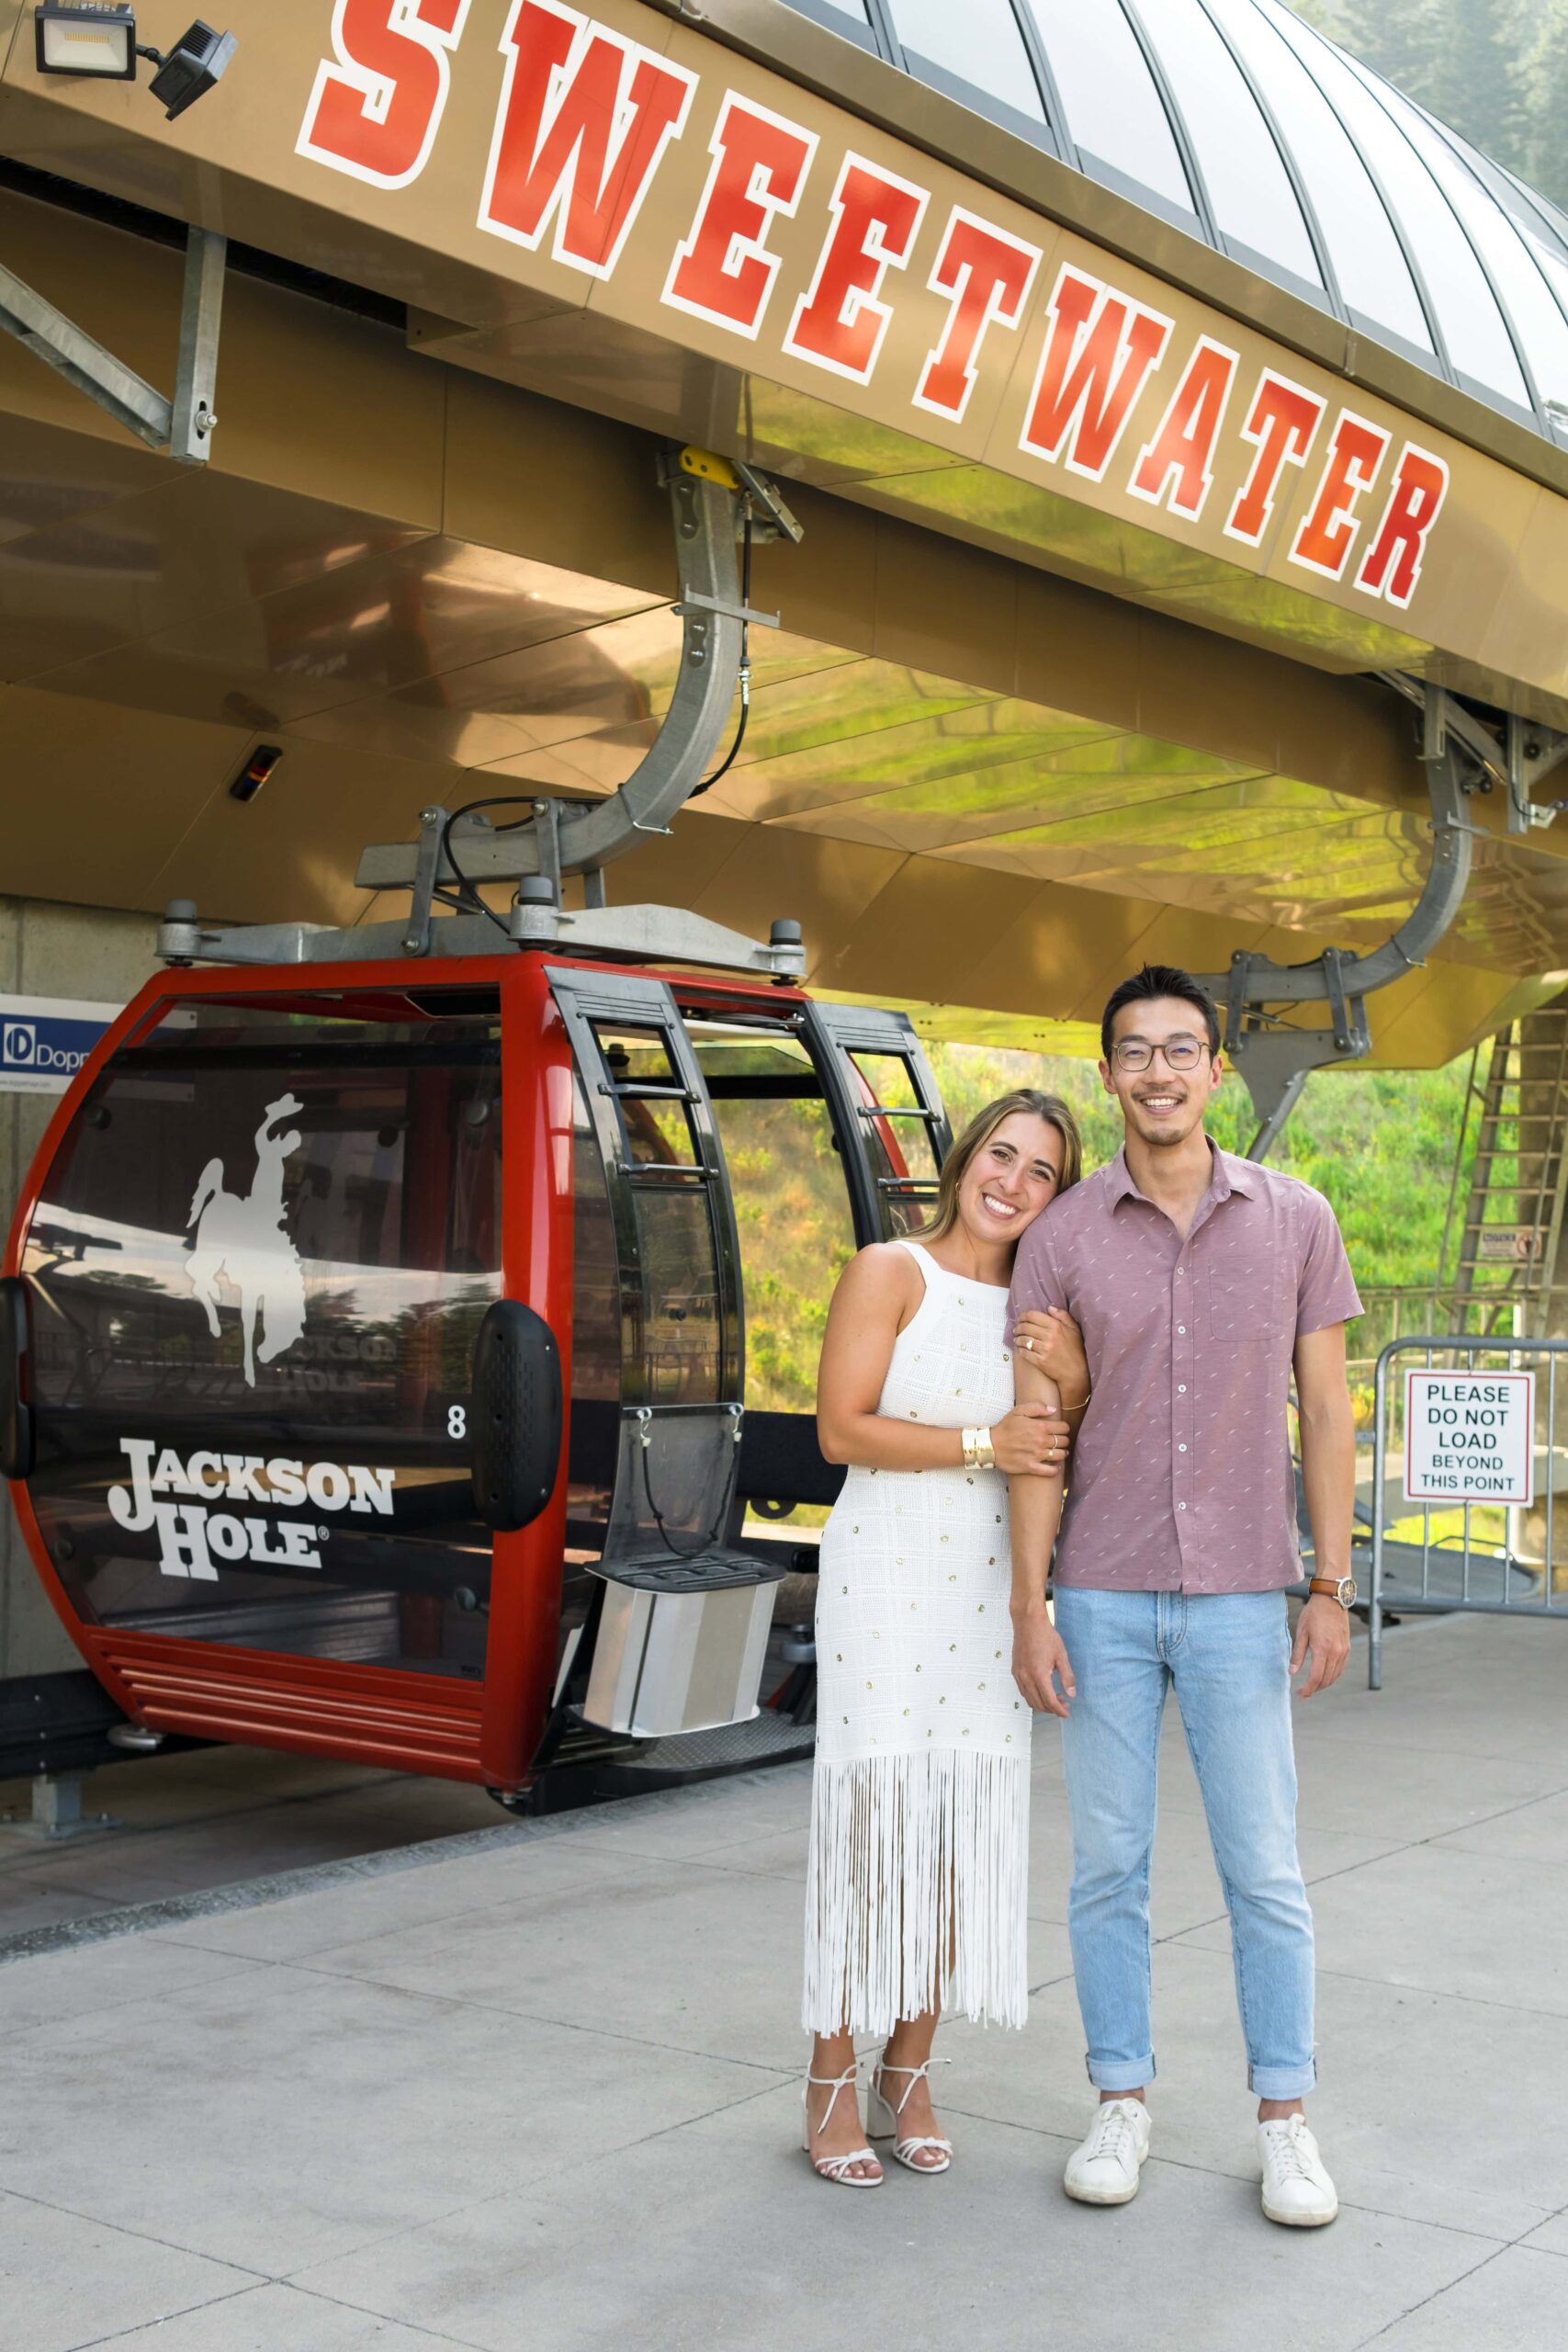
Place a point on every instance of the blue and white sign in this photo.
(44, 1040)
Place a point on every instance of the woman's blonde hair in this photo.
(978, 1133)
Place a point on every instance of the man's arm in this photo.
(1328, 1475)
(1040, 1659)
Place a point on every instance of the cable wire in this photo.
(745, 671)
(467, 890)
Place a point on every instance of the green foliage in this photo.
(1380, 1144)
(1495, 70)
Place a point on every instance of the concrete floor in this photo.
(209, 1817)
(536, 2086)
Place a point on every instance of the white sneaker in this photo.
(1296, 2189)
(1104, 2169)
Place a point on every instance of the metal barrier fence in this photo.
(1458, 1438)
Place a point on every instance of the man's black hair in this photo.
(1159, 979)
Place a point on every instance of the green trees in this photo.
(1495, 70)
(1380, 1144)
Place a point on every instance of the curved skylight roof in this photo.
(1239, 122)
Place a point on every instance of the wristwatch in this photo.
(1339, 1589)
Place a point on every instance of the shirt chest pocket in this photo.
(1249, 1307)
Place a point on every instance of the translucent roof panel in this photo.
(1544, 232)
(852, 18)
(1115, 115)
(979, 44)
(1365, 255)
(1248, 187)
(1533, 311)
(1242, 124)
(1468, 315)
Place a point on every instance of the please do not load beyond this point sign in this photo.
(1468, 1437)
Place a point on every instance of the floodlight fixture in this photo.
(188, 70)
(96, 39)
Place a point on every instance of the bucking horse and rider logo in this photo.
(239, 1237)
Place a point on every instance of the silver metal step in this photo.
(766, 1739)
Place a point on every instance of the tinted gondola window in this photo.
(792, 1206)
(257, 1270)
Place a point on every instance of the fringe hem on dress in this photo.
(916, 1890)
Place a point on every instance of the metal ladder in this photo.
(1509, 1239)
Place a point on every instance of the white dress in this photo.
(920, 1813)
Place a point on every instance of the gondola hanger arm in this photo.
(1274, 1060)
(711, 500)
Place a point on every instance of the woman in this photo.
(916, 1891)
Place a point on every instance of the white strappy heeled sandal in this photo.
(882, 2120)
(836, 2168)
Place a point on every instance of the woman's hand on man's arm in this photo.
(1048, 1339)
(1032, 1441)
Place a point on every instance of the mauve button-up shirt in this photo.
(1181, 1478)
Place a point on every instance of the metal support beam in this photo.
(1273, 1059)
(201, 321)
(709, 502)
(182, 426)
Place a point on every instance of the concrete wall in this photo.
(101, 957)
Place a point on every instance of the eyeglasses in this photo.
(1180, 1053)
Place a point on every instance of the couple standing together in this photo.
(1153, 1314)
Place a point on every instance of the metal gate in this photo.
(1447, 1532)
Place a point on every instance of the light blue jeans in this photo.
(1228, 1655)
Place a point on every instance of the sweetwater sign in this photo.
(1469, 1437)
(685, 195)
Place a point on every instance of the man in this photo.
(1199, 1281)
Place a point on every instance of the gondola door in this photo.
(682, 1620)
(887, 1115)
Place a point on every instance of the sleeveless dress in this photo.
(918, 1873)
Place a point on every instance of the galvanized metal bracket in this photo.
(1273, 1059)
(642, 934)
(711, 499)
(1533, 752)
(182, 426)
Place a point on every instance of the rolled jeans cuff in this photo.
(1122, 2074)
(1282, 2082)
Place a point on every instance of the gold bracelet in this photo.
(984, 1451)
(1082, 1402)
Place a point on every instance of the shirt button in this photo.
(1181, 1506)
(1181, 1330)
(1181, 1389)
(1182, 1449)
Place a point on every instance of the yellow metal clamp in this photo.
(709, 465)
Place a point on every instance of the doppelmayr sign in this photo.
(44, 1040)
(591, 128)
